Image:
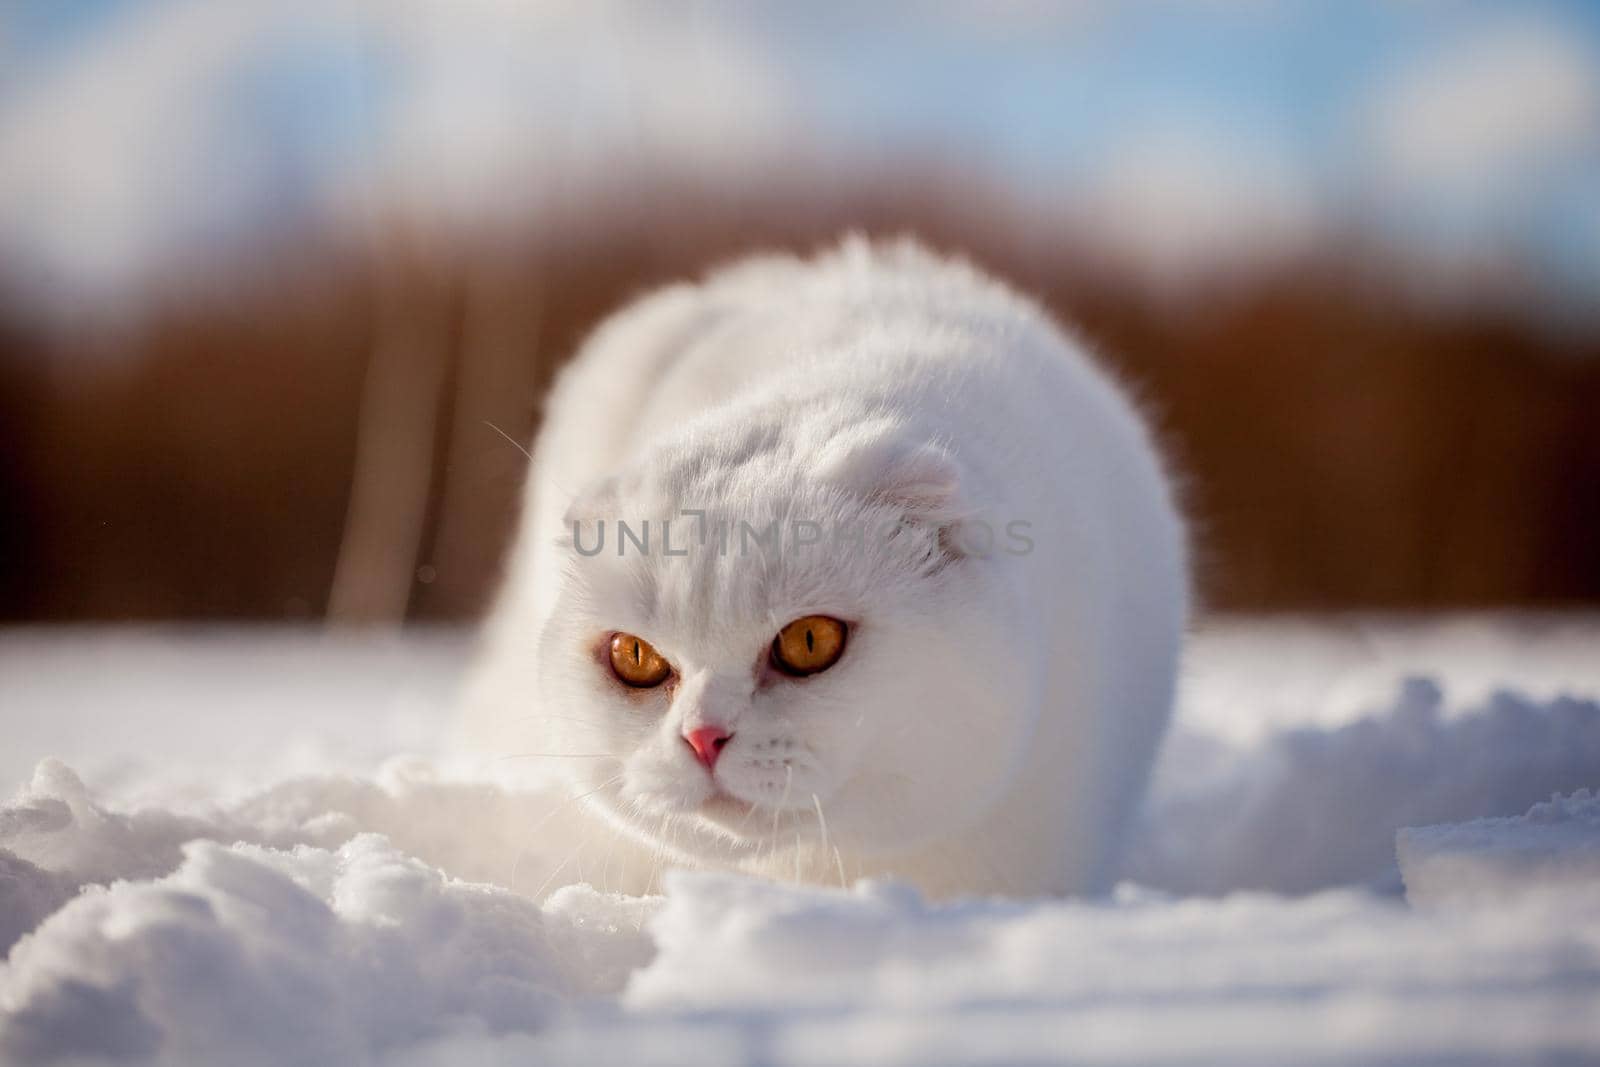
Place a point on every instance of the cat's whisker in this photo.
(655, 870)
(516, 864)
(822, 822)
(788, 783)
(605, 863)
(793, 818)
(650, 882)
(538, 893)
(749, 811)
(658, 858)
(672, 842)
(613, 780)
(514, 442)
(544, 716)
(556, 755)
(582, 849)
(658, 854)
(838, 860)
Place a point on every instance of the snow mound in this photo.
(56, 837)
(251, 955)
(876, 976)
(1309, 807)
(329, 905)
(246, 954)
(1554, 847)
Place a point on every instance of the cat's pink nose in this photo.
(707, 742)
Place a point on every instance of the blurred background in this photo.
(282, 283)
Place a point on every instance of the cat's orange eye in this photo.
(808, 645)
(635, 662)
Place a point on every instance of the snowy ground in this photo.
(243, 847)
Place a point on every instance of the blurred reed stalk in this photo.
(401, 397)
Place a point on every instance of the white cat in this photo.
(836, 568)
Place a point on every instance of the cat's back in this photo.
(868, 329)
(861, 310)
(867, 324)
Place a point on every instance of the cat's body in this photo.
(991, 720)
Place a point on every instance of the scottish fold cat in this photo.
(841, 567)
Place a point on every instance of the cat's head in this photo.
(759, 633)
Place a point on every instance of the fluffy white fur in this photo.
(991, 722)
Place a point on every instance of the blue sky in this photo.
(1059, 100)
(1043, 99)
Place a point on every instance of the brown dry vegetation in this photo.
(1345, 447)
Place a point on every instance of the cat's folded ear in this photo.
(886, 465)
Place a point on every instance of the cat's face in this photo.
(740, 698)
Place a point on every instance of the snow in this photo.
(249, 955)
(1351, 855)
(1313, 807)
(874, 976)
(1555, 847)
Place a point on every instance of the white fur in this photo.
(991, 722)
